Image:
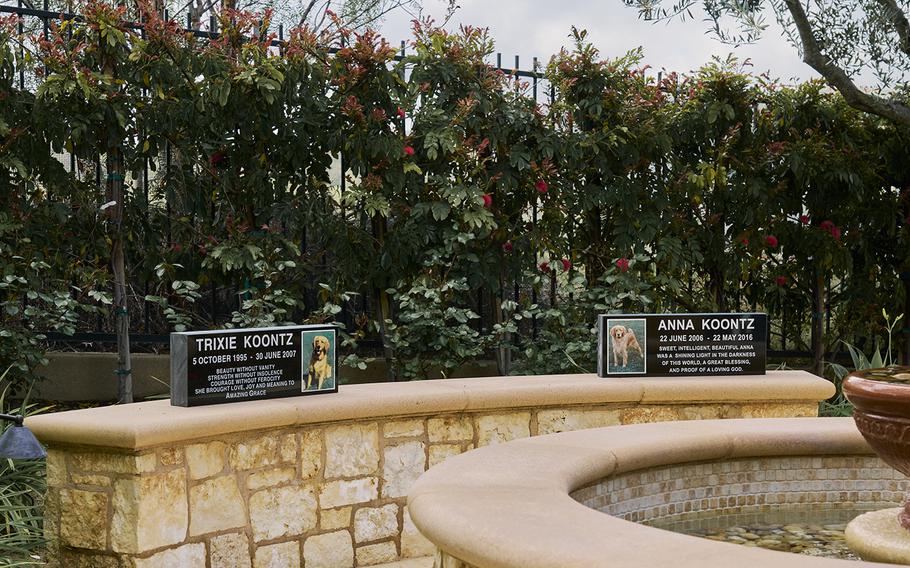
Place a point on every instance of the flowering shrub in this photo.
(463, 197)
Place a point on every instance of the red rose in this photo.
(781, 280)
(771, 241)
(507, 247)
(400, 113)
(775, 148)
(566, 264)
(542, 186)
(487, 200)
(804, 219)
(218, 159)
(622, 264)
(544, 266)
(409, 151)
(826, 225)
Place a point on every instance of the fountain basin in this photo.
(881, 400)
(540, 502)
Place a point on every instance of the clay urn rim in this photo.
(878, 396)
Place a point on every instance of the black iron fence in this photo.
(150, 331)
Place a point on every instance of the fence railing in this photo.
(151, 329)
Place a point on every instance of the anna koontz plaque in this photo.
(672, 345)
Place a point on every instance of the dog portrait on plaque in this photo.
(625, 355)
(235, 365)
(319, 353)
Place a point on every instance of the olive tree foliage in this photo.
(845, 41)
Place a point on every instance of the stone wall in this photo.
(328, 494)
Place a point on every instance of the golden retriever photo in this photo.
(627, 353)
(319, 374)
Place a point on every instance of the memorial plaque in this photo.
(214, 367)
(676, 345)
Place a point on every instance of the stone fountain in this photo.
(881, 400)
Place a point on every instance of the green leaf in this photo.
(440, 210)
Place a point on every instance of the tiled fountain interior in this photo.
(794, 504)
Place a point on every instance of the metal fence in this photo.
(150, 331)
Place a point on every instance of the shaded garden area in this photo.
(479, 213)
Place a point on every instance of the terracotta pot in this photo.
(881, 401)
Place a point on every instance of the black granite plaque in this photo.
(677, 345)
(214, 367)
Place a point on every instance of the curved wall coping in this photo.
(508, 506)
(147, 424)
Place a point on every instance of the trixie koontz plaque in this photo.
(673, 345)
(213, 367)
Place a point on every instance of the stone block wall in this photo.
(326, 495)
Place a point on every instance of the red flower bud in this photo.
(409, 151)
(507, 247)
(176, 247)
(218, 159)
(771, 241)
(744, 241)
(835, 232)
(566, 264)
(775, 148)
(487, 200)
(781, 280)
(542, 186)
(804, 219)
(544, 266)
(622, 264)
(826, 225)
(400, 113)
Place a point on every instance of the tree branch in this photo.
(306, 12)
(897, 18)
(837, 77)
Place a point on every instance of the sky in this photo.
(530, 28)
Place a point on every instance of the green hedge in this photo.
(716, 191)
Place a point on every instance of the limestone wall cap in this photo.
(508, 506)
(149, 424)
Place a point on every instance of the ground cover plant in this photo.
(22, 489)
(153, 180)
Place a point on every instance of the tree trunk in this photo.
(383, 302)
(114, 196)
(818, 321)
(717, 289)
(593, 228)
(905, 323)
(503, 349)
